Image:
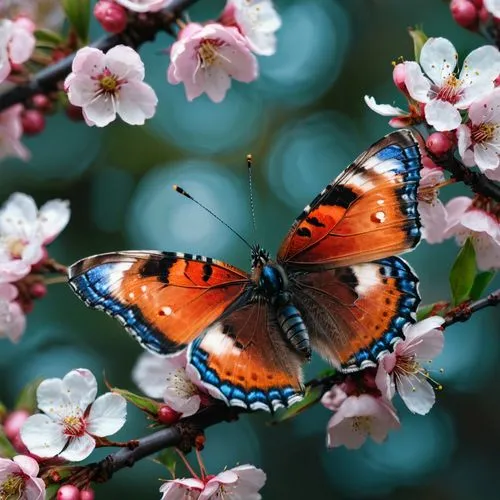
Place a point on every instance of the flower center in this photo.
(109, 83)
(74, 426)
(179, 381)
(12, 488)
(362, 424)
(451, 90)
(483, 133)
(15, 247)
(207, 52)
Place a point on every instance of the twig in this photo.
(464, 311)
(48, 79)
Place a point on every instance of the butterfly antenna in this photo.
(179, 190)
(252, 206)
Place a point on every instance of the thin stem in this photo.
(55, 280)
(188, 465)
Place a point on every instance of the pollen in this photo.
(12, 487)
(483, 133)
(208, 53)
(362, 424)
(74, 426)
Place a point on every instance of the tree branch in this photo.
(464, 311)
(143, 29)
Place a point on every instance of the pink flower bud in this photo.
(167, 416)
(112, 16)
(398, 76)
(42, 102)
(33, 121)
(439, 143)
(14, 422)
(227, 17)
(68, 492)
(74, 112)
(38, 290)
(478, 3)
(484, 15)
(465, 14)
(87, 494)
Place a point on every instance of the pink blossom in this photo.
(68, 492)
(467, 219)
(17, 43)
(432, 211)
(12, 318)
(11, 131)
(72, 417)
(205, 58)
(243, 482)
(479, 138)
(443, 93)
(358, 418)
(402, 369)
(24, 232)
(144, 5)
(169, 378)
(334, 398)
(105, 85)
(257, 20)
(18, 479)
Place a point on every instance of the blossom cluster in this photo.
(25, 233)
(463, 113)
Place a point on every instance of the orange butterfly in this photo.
(334, 287)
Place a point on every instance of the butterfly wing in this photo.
(165, 300)
(369, 212)
(244, 360)
(356, 313)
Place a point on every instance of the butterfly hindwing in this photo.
(356, 313)
(369, 212)
(245, 361)
(163, 299)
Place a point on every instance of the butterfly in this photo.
(335, 287)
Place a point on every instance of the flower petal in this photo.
(53, 400)
(101, 111)
(34, 489)
(125, 62)
(486, 158)
(28, 465)
(417, 394)
(438, 59)
(383, 109)
(53, 217)
(79, 448)
(417, 84)
(481, 65)
(442, 115)
(81, 387)
(42, 436)
(136, 103)
(107, 415)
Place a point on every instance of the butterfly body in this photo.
(335, 287)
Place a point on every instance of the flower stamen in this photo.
(12, 488)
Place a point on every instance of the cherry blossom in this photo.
(17, 43)
(358, 418)
(205, 58)
(12, 318)
(479, 138)
(242, 482)
(401, 118)
(25, 230)
(143, 5)
(493, 6)
(11, 131)
(257, 20)
(71, 417)
(169, 378)
(402, 369)
(18, 479)
(105, 85)
(468, 218)
(443, 93)
(432, 212)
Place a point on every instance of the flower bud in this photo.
(38, 290)
(398, 76)
(465, 14)
(87, 494)
(439, 143)
(167, 416)
(42, 102)
(484, 15)
(68, 492)
(14, 422)
(74, 113)
(111, 16)
(33, 121)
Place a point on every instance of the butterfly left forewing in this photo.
(243, 359)
(163, 299)
(369, 212)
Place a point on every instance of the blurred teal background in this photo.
(304, 120)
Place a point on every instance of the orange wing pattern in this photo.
(369, 212)
(244, 360)
(165, 300)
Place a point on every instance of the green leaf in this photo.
(419, 38)
(3, 412)
(27, 398)
(168, 458)
(436, 309)
(6, 448)
(311, 397)
(78, 12)
(48, 37)
(481, 281)
(463, 273)
(142, 402)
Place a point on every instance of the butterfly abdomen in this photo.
(294, 328)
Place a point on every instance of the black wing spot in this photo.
(158, 268)
(303, 231)
(314, 222)
(340, 195)
(207, 272)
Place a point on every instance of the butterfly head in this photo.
(260, 257)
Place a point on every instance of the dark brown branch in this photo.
(144, 29)
(464, 311)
